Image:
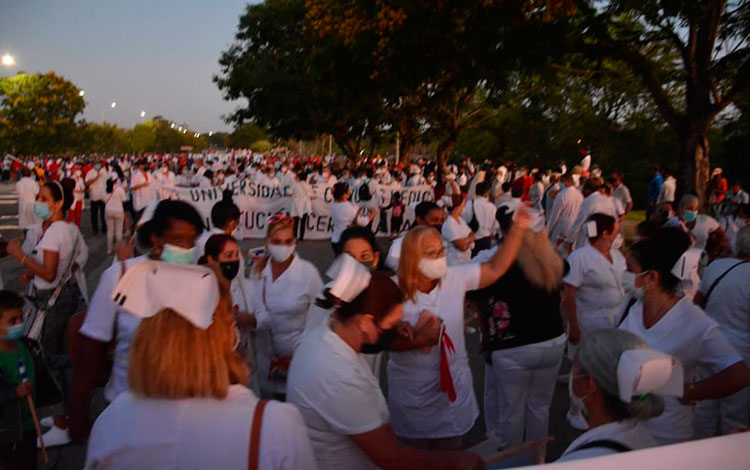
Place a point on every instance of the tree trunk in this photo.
(444, 150)
(695, 164)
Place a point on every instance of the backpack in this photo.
(364, 191)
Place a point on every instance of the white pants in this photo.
(518, 389)
(114, 221)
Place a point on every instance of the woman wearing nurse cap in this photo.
(670, 322)
(187, 406)
(616, 380)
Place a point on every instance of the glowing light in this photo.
(143, 113)
(171, 125)
(81, 93)
(210, 134)
(179, 129)
(8, 60)
(113, 104)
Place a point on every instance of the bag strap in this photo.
(631, 302)
(716, 282)
(606, 444)
(254, 453)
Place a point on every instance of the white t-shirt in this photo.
(704, 225)
(453, 230)
(144, 195)
(197, 433)
(598, 284)
(62, 238)
(115, 200)
(691, 336)
(342, 216)
(594, 203)
(622, 194)
(564, 211)
(102, 315)
(97, 189)
(394, 254)
(419, 409)
(484, 211)
(729, 303)
(335, 390)
(27, 190)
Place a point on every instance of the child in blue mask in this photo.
(17, 431)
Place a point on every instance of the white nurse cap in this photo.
(349, 276)
(643, 371)
(687, 264)
(192, 291)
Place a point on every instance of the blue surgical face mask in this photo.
(689, 216)
(42, 211)
(177, 255)
(14, 333)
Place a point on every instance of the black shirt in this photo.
(514, 313)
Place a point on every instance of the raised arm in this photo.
(504, 258)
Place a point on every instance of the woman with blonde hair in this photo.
(287, 285)
(187, 407)
(430, 391)
(523, 339)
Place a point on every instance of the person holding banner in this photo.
(431, 393)
(672, 323)
(287, 285)
(617, 379)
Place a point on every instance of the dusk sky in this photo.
(156, 56)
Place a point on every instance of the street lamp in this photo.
(113, 104)
(81, 93)
(171, 126)
(143, 113)
(179, 129)
(210, 134)
(8, 60)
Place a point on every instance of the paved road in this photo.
(318, 252)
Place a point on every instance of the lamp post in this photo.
(8, 60)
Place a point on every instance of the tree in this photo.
(38, 111)
(297, 87)
(245, 135)
(710, 71)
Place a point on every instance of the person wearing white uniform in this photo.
(222, 253)
(457, 233)
(344, 213)
(564, 211)
(620, 191)
(169, 235)
(209, 421)
(724, 293)
(27, 189)
(114, 212)
(619, 382)
(671, 323)
(594, 202)
(430, 392)
(52, 253)
(484, 212)
(334, 388)
(96, 182)
(300, 207)
(698, 226)
(425, 213)
(141, 188)
(166, 181)
(287, 285)
(593, 289)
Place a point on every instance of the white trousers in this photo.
(518, 389)
(115, 222)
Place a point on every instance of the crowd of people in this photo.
(213, 356)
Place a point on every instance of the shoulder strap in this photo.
(606, 444)
(716, 282)
(254, 454)
(631, 302)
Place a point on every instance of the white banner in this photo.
(257, 202)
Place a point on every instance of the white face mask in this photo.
(281, 253)
(628, 281)
(434, 268)
(577, 402)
